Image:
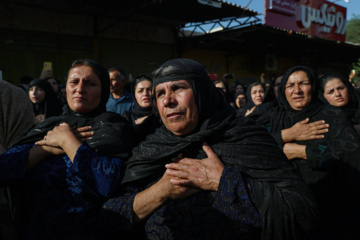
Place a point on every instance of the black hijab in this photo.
(112, 134)
(352, 108)
(281, 197)
(287, 116)
(51, 106)
(139, 111)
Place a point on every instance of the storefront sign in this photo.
(313, 17)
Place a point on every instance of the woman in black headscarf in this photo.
(322, 144)
(337, 91)
(45, 102)
(141, 89)
(250, 190)
(254, 97)
(60, 176)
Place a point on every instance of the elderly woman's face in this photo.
(336, 93)
(177, 106)
(298, 90)
(143, 94)
(83, 89)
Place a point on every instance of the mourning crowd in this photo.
(176, 155)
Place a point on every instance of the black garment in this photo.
(113, 136)
(51, 106)
(332, 165)
(283, 200)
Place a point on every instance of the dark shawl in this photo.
(333, 163)
(112, 134)
(51, 106)
(282, 199)
(352, 108)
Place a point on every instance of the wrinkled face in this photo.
(239, 88)
(53, 83)
(143, 93)
(177, 106)
(221, 85)
(36, 94)
(240, 101)
(298, 90)
(276, 86)
(83, 89)
(116, 82)
(257, 94)
(336, 93)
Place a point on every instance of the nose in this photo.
(297, 88)
(337, 93)
(169, 100)
(81, 87)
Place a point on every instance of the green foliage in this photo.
(356, 66)
(353, 29)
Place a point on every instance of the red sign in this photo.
(313, 17)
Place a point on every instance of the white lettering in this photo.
(323, 16)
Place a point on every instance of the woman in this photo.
(338, 92)
(16, 119)
(247, 193)
(141, 89)
(45, 102)
(323, 145)
(56, 86)
(68, 173)
(240, 100)
(255, 96)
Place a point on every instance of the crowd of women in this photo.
(184, 163)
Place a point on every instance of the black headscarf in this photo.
(139, 111)
(51, 106)
(287, 116)
(281, 197)
(249, 102)
(352, 108)
(112, 134)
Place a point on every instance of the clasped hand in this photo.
(203, 174)
(60, 134)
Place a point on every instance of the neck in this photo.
(119, 94)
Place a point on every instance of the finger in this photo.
(305, 120)
(176, 166)
(182, 182)
(39, 143)
(64, 124)
(176, 173)
(84, 129)
(209, 151)
(84, 134)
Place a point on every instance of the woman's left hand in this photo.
(61, 133)
(204, 174)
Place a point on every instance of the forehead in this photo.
(297, 76)
(257, 87)
(83, 72)
(170, 84)
(334, 83)
(143, 84)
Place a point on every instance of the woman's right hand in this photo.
(303, 131)
(172, 191)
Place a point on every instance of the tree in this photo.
(353, 29)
